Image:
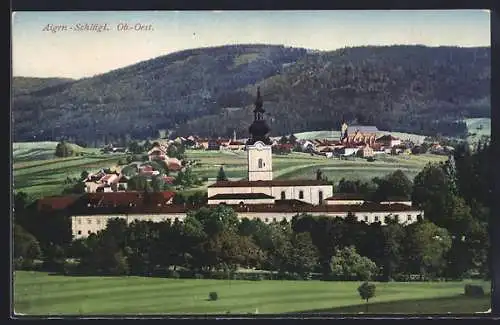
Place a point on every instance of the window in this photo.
(79, 221)
(79, 232)
(274, 219)
(376, 218)
(266, 220)
(320, 197)
(89, 221)
(261, 163)
(366, 218)
(409, 217)
(396, 217)
(98, 221)
(283, 195)
(301, 194)
(89, 232)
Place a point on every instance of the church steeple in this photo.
(259, 130)
(259, 110)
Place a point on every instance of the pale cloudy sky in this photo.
(75, 54)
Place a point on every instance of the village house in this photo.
(158, 152)
(388, 141)
(366, 151)
(174, 164)
(101, 181)
(203, 144)
(236, 145)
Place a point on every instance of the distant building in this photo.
(360, 133)
(158, 153)
(388, 141)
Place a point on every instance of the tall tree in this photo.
(221, 176)
(427, 246)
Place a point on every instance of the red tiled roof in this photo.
(246, 183)
(345, 196)
(174, 166)
(238, 196)
(260, 208)
(285, 146)
(387, 137)
(111, 199)
(56, 202)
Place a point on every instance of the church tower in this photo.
(259, 153)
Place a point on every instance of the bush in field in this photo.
(212, 296)
(63, 149)
(472, 290)
(366, 292)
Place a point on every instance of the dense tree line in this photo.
(210, 91)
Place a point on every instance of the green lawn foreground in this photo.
(37, 293)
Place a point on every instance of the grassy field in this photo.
(300, 165)
(37, 293)
(38, 173)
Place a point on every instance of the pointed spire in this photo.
(258, 102)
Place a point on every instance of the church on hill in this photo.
(259, 187)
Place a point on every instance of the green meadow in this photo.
(37, 172)
(304, 166)
(38, 293)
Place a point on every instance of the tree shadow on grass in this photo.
(458, 304)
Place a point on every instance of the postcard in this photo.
(251, 163)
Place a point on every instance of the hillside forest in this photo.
(210, 92)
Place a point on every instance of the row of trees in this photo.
(215, 240)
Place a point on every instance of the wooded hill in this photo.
(210, 91)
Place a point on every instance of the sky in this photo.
(76, 54)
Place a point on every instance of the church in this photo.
(259, 187)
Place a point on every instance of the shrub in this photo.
(174, 275)
(473, 290)
(366, 291)
(212, 296)
(257, 277)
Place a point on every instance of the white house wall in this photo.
(311, 193)
(344, 202)
(82, 226)
(254, 153)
